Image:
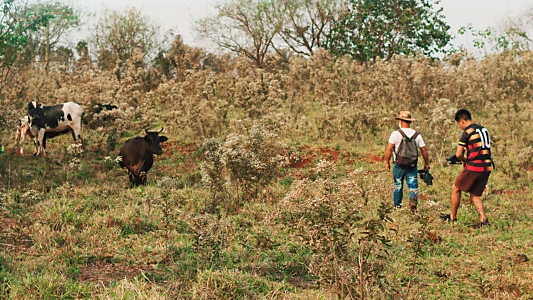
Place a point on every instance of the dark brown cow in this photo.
(137, 155)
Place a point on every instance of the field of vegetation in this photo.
(272, 184)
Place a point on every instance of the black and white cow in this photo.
(50, 121)
(24, 129)
(137, 155)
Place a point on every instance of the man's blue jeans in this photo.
(411, 178)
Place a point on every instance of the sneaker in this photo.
(480, 224)
(447, 218)
(397, 207)
(413, 204)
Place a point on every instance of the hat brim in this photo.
(405, 119)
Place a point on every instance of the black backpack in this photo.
(407, 154)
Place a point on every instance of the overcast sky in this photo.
(180, 14)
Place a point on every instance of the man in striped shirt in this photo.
(477, 166)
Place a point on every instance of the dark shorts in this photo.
(472, 182)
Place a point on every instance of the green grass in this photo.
(71, 229)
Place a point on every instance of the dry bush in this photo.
(195, 106)
(348, 252)
(210, 236)
(438, 128)
(236, 168)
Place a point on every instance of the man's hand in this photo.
(388, 155)
(453, 160)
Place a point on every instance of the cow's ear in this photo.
(163, 138)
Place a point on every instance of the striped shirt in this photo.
(476, 139)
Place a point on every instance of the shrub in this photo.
(347, 252)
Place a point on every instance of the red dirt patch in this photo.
(300, 163)
(313, 154)
(422, 197)
(171, 147)
(374, 158)
(329, 152)
(13, 151)
(433, 237)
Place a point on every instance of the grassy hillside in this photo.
(272, 185)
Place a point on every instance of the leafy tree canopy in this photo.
(17, 23)
(119, 34)
(382, 28)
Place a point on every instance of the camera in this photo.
(453, 160)
(426, 176)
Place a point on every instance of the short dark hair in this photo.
(462, 114)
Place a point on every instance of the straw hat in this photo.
(405, 115)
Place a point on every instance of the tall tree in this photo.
(247, 27)
(46, 41)
(382, 28)
(16, 24)
(118, 35)
(307, 23)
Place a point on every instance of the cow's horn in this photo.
(161, 129)
(146, 130)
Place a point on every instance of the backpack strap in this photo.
(410, 138)
(401, 132)
(415, 135)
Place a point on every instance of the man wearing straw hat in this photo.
(401, 171)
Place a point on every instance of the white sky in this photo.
(179, 15)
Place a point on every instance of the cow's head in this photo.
(34, 105)
(154, 140)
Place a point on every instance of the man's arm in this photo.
(388, 154)
(425, 155)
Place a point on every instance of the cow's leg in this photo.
(132, 178)
(143, 177)
(17, 136)
(19, 140)
(138, 180)
(34, 130)
(37, 147)
(44, 144)
(41, 143)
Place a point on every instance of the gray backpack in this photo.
(407, 154)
